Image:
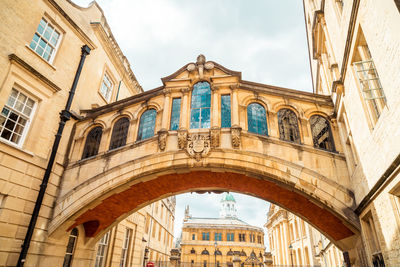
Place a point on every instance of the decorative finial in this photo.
(200, 65)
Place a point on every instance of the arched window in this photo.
(321, 133)
(73, 236)
(92, 142)
(201, 105)
(192, 251)
(147, 124)
(119, 133)
(230, 253)
(218, 252)
(243, 254)
(256, 119)
(288, 126)
(205, 252)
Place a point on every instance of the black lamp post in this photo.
(291, 255)
(215, 253)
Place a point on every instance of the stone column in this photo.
(166, 109)
(214, 107)
(215, 130)
(185, 109)
(183, 124)
(235, 106)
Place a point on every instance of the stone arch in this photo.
(117, 116)
(146, 106)
(259, 99)
(299, 124)
(297, 110)
(317, 199)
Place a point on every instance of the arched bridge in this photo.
(206, 129)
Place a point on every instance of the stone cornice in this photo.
(20, 62)
(281, 91)
(219, 226)
(80, 32)
(115, 53)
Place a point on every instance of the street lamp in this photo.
(291, 255)
(215, 253)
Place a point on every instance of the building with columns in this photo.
(219, 241)
(293, 241)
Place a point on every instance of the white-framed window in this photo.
(102, 250)
(45, 40)
(15, 117)
(125, 246)
(106, 87)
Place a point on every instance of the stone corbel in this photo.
(182, 138)
(235, 136)
(166, 92)
(162, 139)
(215, 133)
(185, 90)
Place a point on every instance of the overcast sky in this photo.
(265, 40)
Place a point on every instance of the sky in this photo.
(265, 40)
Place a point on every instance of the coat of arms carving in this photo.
(198, 146)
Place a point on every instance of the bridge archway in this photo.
(305, 178)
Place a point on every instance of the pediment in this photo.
(199, 70)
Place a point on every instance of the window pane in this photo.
(321, 132)
(200, 106)
(288, 126)
(147, 124)
(92, 142)
(175, 115)
(119, 133)
(256, 119)
(226, 111)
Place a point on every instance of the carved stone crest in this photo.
(182, 139)
(200, 65)
(235, 136)
(198, 146)
(162, 139)
(215, 133)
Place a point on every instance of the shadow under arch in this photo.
(119, 205)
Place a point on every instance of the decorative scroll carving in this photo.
(198, 146)
(182, 139)
(200, 65)
(162, 139)
(235, 136)
(215, 133)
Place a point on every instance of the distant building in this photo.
(215, 241)
(293, 242)
(145, 236)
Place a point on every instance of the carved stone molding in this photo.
(166, 92)
(198, 145)
(185, 91)
(162, 139)
(215, 134)
(182, 138)
(235, 136)
(200, 65)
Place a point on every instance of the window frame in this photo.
(86, 142)
(140, 136)
(172, 113)
(199, 123)
(106, 74)
(55, 47)
(286, 113)
(266, 120)
(120, 140)
(103, 243)
(332, 141)
(227, 112)
(74, 234)
(28, 119)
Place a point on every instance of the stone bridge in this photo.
(206, 129)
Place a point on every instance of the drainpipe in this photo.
(119, 87)
(65, 115)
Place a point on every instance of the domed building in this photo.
(216, 241)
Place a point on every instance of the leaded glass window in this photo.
(119, 133)
(288, 126)
(201, 106)
(147, 124)
(217, 236)
(321, 133)
(256, 119)
(225, 111)
(92, 142)
(175, 113)
(70, 247)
